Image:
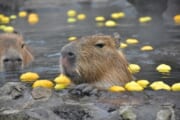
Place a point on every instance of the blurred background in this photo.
(47, 25)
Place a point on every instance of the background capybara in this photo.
(96, 60)
(14, 53)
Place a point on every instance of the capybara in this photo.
(14, 53)
(96, 60)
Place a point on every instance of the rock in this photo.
(127, 113)
(166, 113)
(11, 6)
(10, 112)
(20, 102)
(145, 7)
(42, 114)
(76, 111)
(41, 93)
(15, 115)
(13, 90)
(84, 90)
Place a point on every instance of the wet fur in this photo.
(13, 44)
(101, 67)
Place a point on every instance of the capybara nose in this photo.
(17, 61)
(13, 60)
(12, 63)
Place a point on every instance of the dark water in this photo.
(48, 36)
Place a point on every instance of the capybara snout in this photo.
(14, 53)
(95, 59)
(12, 62)
(68, 60)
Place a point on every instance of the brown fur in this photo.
(13, 46)
(102, 67)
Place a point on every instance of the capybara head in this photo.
(14, 53)
(95, 59)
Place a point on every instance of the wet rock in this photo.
(15, 115)
(76, 111)
(41, 93)
(6, 112)
(30, 4)
(172, 10)
(166, 113)
(12, 90)
(150, 7)
(44, 104)
(71, 112)
(127, 113)
(42, 114)
(84, 90)
(113, 116)
(14, 5)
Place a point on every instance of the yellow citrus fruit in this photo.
(29, 77)
(145, 19)
(133, 86)
(143, 83)
(22, 14)
(118, 15)
(60, 86)
(116, 88)
(121, 14)
(132, 41)
(62, 79)
(71, 13)
(114, 16)
(1, 16)
(33, 18)
(110, 23)
(43, 83)
(13, 17)
(81, 16)
(71, 20)
(99, 19)
(164, 68)
(160, 85)
(134, 68)
(146, 48)
(2, 27)
(176, 87)
(5, 20)
(72, 38)
(9, 29)
(123, 45)
(177, 19)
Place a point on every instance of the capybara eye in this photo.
(70, 54)
(100, 45)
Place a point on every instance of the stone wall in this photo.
(10, 5)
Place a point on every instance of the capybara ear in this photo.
(27, 55)
(117, 38)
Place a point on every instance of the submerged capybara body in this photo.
(14, 53)
(95, 60)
